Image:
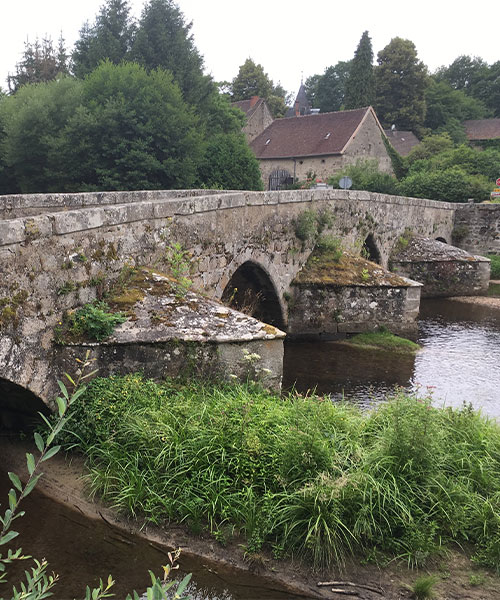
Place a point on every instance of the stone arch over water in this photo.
(252, 291)
(19, 407)
(370, 249)
(441, 239)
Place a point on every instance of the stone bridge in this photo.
(58, 252)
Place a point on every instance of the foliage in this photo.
(110, 38)
(40, 62)
(423, 587)
(177, 260)
(229, 164)
(38, 584)
(447, 108)
(327, 91)
(318, 479)
(366, 176)
(34, 121)
(132, 131)
(360, 84)
(163, 40)
(253, 81)
(451, 184)
(94, 321)
(400, 82)
(495, 266)
(309, 224)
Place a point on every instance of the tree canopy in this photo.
(401, 80)
(360, 83)
(252, 80)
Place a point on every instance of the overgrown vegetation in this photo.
(300, 475)
(495, 266)
(94, 321)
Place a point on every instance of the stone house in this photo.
(258, 116)
(323, 144)
(480, 130)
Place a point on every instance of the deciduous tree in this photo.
(400, 81)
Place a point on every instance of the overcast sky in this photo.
(288, 38)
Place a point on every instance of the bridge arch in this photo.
(251, 290)
(19, 407)
(370, 249)
(441, 239)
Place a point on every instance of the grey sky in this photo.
(287, 38)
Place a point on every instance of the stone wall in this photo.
(477, 228)
(331, 312)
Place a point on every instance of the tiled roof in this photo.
(482, 129)
(402, 141)
(311, 135)
(248, 106)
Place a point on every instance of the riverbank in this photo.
(63, 480)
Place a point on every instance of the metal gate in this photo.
(279, 179)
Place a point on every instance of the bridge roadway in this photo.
(59, 251)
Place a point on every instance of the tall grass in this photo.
(303, 474)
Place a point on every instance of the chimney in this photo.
(253, 100)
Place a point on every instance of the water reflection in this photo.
(459, 361)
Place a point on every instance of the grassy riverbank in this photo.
(301, 476)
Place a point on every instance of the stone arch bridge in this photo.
(57, 251)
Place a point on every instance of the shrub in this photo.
(495, 265)
(94, 321)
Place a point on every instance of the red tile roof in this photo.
(311, 135)
(482, 129)
(248, 106)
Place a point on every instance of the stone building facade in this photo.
(319, 144)
(258, 116)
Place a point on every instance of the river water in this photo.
(459, 362)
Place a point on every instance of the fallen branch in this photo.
(350, 584)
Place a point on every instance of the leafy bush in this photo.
(366, 176)
(303, 474)
(495, 266)
(94, 321)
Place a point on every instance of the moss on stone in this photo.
(383, 340)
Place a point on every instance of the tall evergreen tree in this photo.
(360, 84)
(110, 38)
(40, 63)
(400, 83)
(163, 39)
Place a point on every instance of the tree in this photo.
(253, 81)
(110, 38)
(164, 39)
(34, 120)
(359, 87)
(400, 82)
(229, 164)
(40, 63)
(132, 131)
(330, 87)
(447, 108)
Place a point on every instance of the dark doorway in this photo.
(370, 250)
(19, 408)
(251, 291)
(280, 179)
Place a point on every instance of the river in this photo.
(459, 362)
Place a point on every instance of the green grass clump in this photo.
(384, 340)
(424, 587)
(495, 266)
(311, 477)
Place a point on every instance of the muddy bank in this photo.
(260, 576)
